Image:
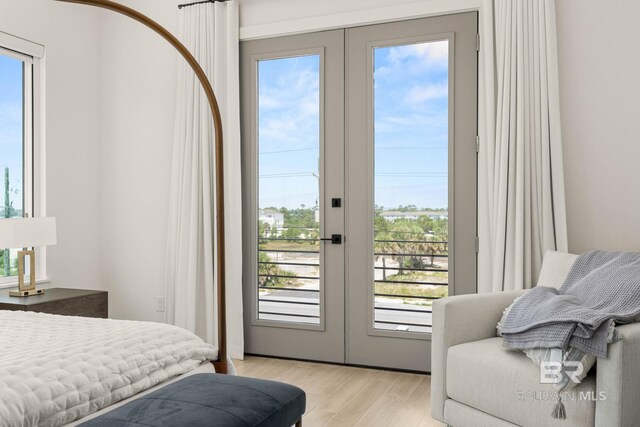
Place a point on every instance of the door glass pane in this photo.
(11, 151)
(289, 189)
(411, 110)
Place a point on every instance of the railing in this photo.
(398, 301)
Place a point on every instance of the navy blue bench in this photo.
(211, 400)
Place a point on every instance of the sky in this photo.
(410, 137)
(11, 128)
(288, 129)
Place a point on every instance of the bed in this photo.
(76, 371)
(67, 371)
(56, 370)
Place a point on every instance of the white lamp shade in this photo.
(27, 232)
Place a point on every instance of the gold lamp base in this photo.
(30, 289)
(20, 293)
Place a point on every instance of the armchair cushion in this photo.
(458, 320)
(505, 384)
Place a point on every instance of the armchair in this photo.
(477, 382)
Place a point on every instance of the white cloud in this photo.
(290, 107)
(419, 94)
(269, 102)
(434, 53)
(436, 123)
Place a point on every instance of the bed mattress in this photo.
(58, 369)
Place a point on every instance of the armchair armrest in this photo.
(457, 320)
(618, 377)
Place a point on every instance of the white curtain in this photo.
(521, 180)
(210, 31)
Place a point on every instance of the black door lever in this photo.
(335, 239)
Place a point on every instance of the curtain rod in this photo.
(180, 6)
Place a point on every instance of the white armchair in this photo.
(476, 382)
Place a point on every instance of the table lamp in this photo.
(27, 233)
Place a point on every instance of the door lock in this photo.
(335, 239)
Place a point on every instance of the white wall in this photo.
(599, 93)
(260, 18)
(139, 90)
(73, 136)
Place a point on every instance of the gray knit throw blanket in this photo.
(602, 287)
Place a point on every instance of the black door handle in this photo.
(335, 239)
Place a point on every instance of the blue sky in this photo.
(288, 128)
(11, 127)
(411, 126)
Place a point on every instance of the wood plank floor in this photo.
(344, 396)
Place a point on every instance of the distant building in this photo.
(391, 216)
(272, 217)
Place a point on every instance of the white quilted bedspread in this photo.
(57, 369)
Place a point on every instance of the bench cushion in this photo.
(211, 400)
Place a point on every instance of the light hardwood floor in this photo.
(344, 396)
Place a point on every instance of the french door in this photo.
(293, 146)
(360, 188)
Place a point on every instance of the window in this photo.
(289, 189)
(410, 87)
(19, 133)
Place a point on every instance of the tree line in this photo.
(411, 243)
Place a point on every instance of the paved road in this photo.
(275, 304)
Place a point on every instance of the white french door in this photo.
(366, 136)
(293, 140)
(411, 183)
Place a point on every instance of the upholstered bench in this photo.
(211, 400)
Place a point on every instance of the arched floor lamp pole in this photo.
(221, 364)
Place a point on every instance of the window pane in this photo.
(411, 110)
(289, 189)
(11, 151)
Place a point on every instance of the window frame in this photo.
(34, 184)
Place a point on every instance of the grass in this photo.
(409, 290)
(285, 245)
(421, 276)
(403, 289)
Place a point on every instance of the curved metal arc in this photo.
(221, 364)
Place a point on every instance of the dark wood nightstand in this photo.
(70, 302)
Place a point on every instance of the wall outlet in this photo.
(160, 304)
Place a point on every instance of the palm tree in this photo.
(8, 213)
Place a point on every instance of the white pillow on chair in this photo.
(555, 268)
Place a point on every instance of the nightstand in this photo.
(70, 302)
